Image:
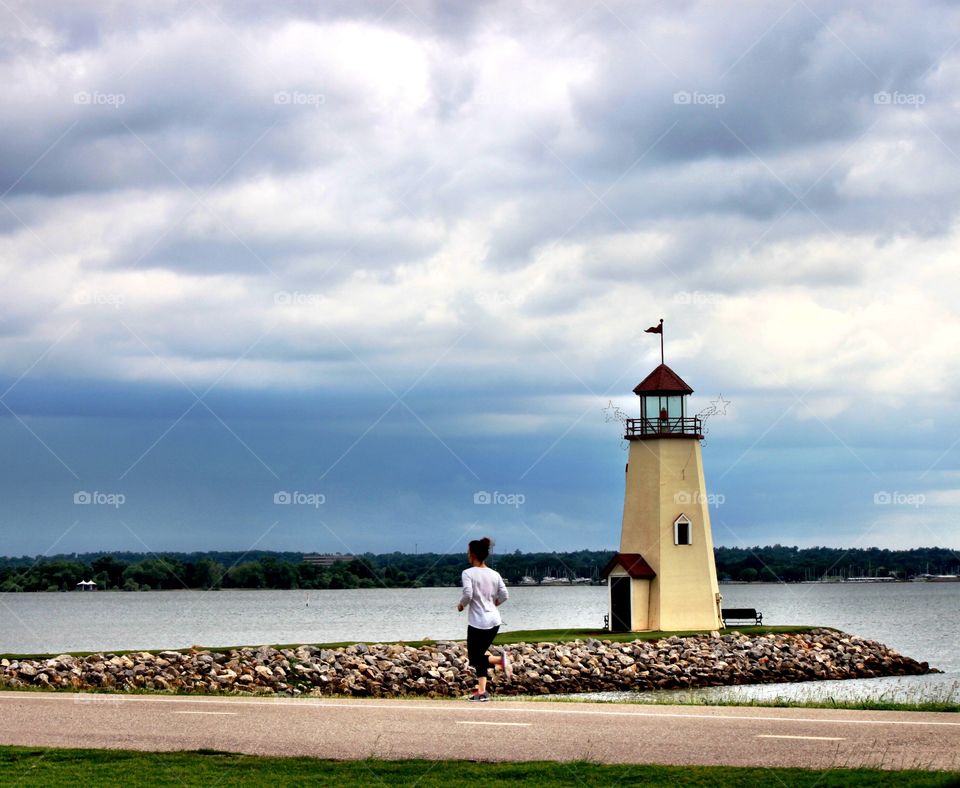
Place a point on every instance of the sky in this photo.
(304, 276)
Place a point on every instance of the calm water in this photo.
(51, 622)
(920, 620)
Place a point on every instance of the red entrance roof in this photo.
(662, 380)
(634, 563)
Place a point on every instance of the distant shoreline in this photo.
(452, 587)
(263, 569)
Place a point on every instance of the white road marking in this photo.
(810, 738)
(481, 722)
(224, 713)
(499, 706)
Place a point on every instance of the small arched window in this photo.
(682, 530)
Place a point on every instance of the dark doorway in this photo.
(620, 604)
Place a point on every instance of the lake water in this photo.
(921, 620)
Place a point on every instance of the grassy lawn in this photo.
(37, 766)
(878, 704)
(568, 635)
(563, 635)
(778, 703)
(861, 705)
(520, 636)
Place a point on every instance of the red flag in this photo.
(657, 329)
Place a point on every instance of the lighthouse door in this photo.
(620, 604)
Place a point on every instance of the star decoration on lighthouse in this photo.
(720, 406)
(717, 407)
(613, 413)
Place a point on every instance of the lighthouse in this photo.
(664, 576)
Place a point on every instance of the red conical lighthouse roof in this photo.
(662, 380)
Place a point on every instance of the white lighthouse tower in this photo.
(664, 577)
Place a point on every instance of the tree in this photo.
(249, 574)
(110, 568)
(749, 574)
(153, 572)
(279, 574)
(207, 574)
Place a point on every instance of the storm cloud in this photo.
(402, 252)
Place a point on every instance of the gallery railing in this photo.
(641, 428)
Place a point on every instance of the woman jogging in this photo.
(483, 593)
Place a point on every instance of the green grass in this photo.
(520, 636)
(38, 766)
(866, 704)
(831, 703)
(564, 635)
(778, 703)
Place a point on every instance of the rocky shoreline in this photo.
(441, 669)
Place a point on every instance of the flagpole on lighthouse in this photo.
(657, 329)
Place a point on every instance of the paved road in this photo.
(499, 730)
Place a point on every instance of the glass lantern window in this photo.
(651, 407)
(674, 406)
(654, 406)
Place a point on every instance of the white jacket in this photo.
(483, 588)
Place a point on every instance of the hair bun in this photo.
(481, 547)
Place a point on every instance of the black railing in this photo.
(641, 428)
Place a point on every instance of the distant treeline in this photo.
(795, 564)
(262, 569)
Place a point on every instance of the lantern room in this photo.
(663, 408)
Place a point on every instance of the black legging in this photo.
(478, 641)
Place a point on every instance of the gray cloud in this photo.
(487, 202)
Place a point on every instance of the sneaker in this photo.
(505, 664)
(479, 697)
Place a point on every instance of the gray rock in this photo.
(441, 669)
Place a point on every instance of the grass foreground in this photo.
(504, 638)
(864, 704)
(41, 766)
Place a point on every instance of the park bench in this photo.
(741, 614)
